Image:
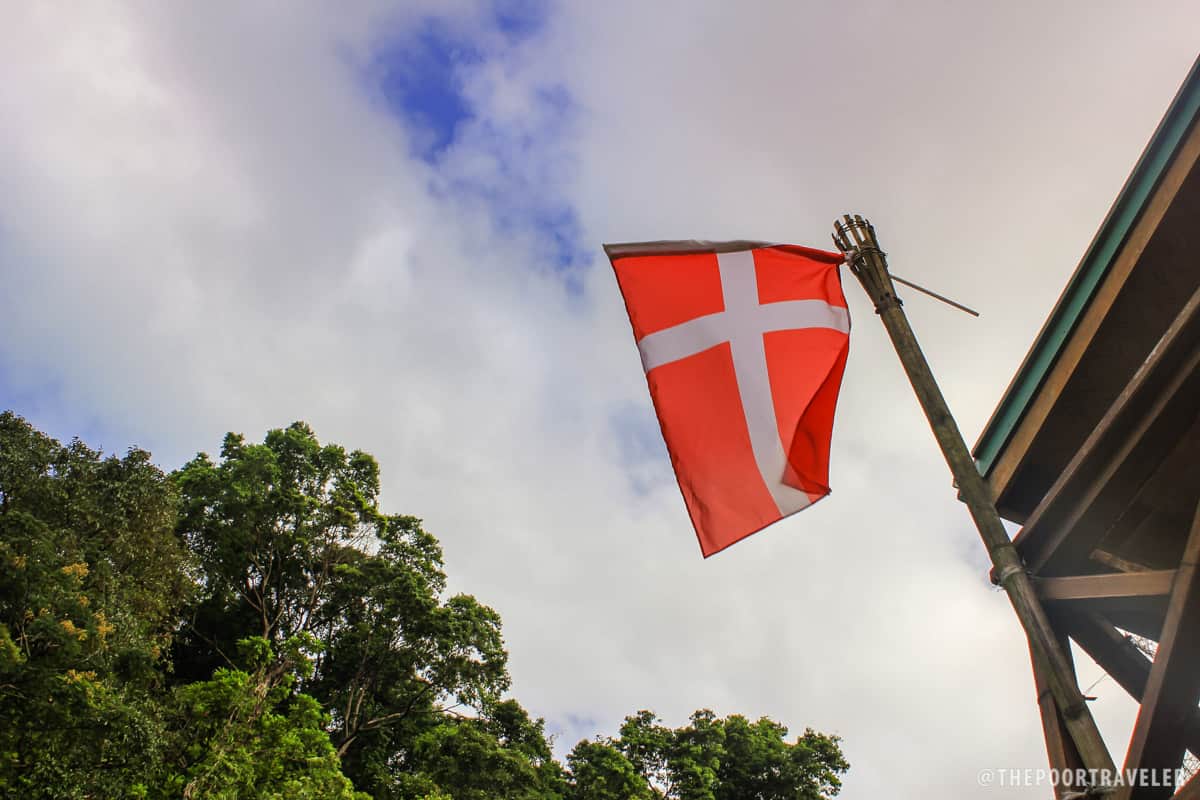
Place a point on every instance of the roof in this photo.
(1130, 204)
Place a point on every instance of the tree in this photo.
(91, 575)
(599, 771)
(240, 737)
(269, 525)
(649, 748)
(728, 759)
(469, 762)
(291, 542)
(759, 764)
(256, 627)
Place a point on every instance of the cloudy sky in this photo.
(386, 220)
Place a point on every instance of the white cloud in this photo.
(209, 224)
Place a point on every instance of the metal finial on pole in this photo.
(856, 238)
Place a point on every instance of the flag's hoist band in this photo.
(743, 324)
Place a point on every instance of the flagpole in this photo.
(856, 237)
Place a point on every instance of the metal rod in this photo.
(936, 296)
(856, 237)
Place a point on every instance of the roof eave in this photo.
(1090, 273)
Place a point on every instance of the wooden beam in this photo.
(1109, 648)
(1190, 790)
(1140, 428)
(1121, 584)
(1093, 492)
(1153, 528)
(1139, 621)
(1173, 686)
(1120, 658)
(1117, 561)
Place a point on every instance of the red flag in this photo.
(744, 345)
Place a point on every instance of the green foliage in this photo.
(599, 771)
(292, 543)
(719, 759)
(243, 736)
(257, 627)
(468, 762)
(760, 765)
(90, 576)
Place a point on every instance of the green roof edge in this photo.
(1120, 220)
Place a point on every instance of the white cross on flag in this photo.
(744, 345)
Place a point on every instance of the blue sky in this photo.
(421, 76)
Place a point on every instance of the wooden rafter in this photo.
(1093, 587)
(1190, 790)
(1136, 433)
(1118, 561)
(1173, 686)
(1138, 619)
(1121, 659)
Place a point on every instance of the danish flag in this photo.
(744, 345)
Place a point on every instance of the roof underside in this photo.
(1001, 448)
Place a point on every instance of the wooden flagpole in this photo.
(856, 237)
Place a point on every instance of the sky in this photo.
(385, 220)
